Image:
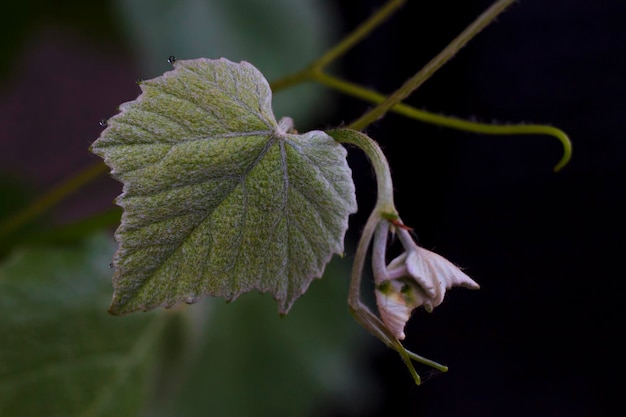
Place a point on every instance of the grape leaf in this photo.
(61, 354)
(218, 198)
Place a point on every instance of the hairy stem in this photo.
(376, 228)
(354, 292)
(429, 69)
(291, 80)
(384, 202)
(360, 92)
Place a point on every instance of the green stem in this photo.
(69, 232)
(354, 293)
(426, 361)
(362, 313)
(357, 91)
(429, 69)
(291, 80)
(384, 201)
(363, 30)
(384, 208)
(51, 198)
(354, 37)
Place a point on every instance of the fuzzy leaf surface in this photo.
(218, 198)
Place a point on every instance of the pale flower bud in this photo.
(418, 277)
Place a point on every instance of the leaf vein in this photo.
(234, 97)
(172, 93)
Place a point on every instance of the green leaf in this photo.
(61, 353)
(220, 199)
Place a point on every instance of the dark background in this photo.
(543, 335)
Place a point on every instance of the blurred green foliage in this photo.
(276, 36)
(61, 353)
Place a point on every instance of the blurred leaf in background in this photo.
(278, 37)
(313, 361)
(61, 353)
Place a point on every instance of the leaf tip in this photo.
(114, 311)
(120, 306)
